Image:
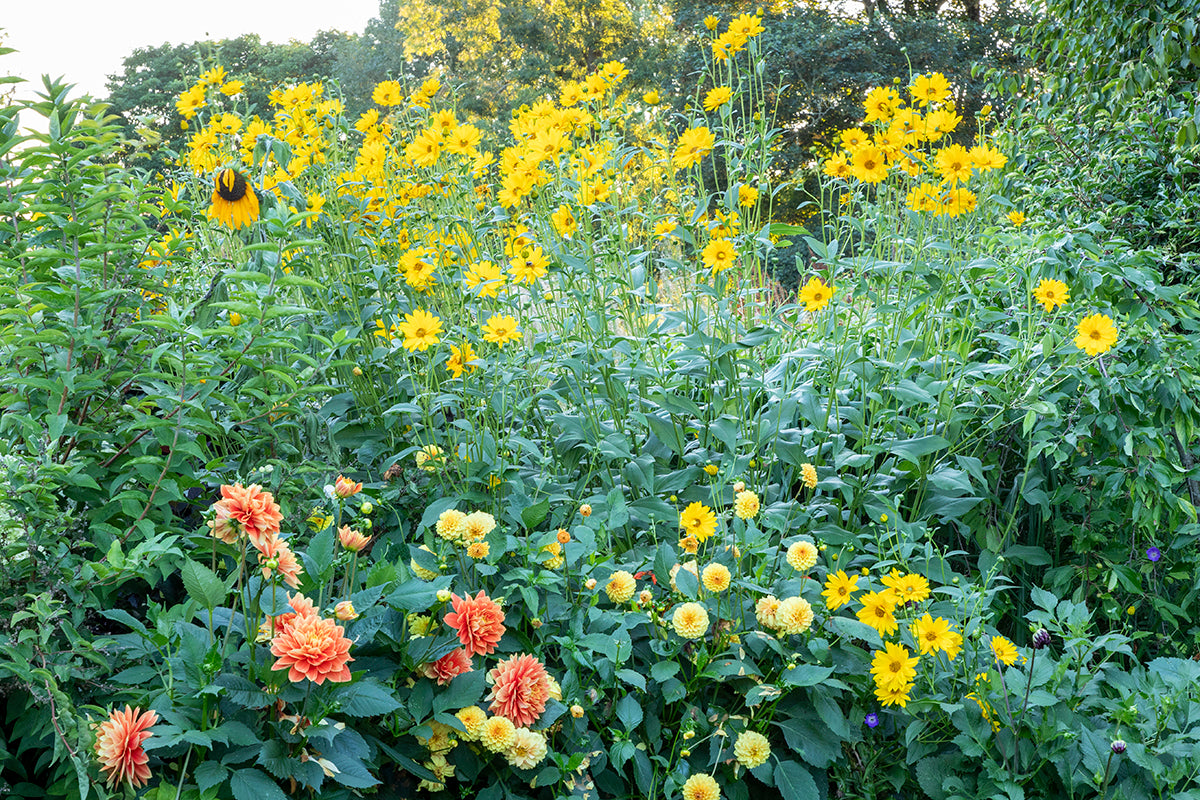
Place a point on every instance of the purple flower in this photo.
(871, 720)
(1154, 554)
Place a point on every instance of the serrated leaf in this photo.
(202, 584)
(366, 699)
(210, 774)
(794, 782)
(254, 784)
(532, 516)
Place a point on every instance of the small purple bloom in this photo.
(871, 720)
(1154, 554)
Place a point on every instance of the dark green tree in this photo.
(1112, 139)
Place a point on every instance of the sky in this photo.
(86, 40)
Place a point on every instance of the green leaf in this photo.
(687, 583)
(806, 674)
(464, 690)
(629, 711)
(210, 774)
(320, 554)
(632, 678)
(202, 584)
(366, 699)
(417, 595)
(794, 782)
(532, 516)
(254, 784)
(913, 449)
(663, 670)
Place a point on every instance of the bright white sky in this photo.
(86, 40)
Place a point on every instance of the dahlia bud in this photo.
(577, 711)
(1118, 746)
(367, 507)
(585, 510)
(443, 595)
(345, 611)
(1041, 638)
(590, 584)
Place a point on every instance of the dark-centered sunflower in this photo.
(233, 201)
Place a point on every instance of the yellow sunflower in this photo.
(839, 588)
(421, 330)
(233, 201)
(1051, 294)
(719, 255)
(1096, 334)
(816, 294)
(698, 520)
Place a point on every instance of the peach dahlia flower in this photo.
(312, 647)
(119, 746)
(479, 622)
(520, 689)
(250, 509)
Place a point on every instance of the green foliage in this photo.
(1112, 140)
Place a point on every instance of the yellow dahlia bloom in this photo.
(794, 615)
(716, 578)
(767, 610)
(808, 474)
(472, 718)
(746, 505)
(690, 620)
(701, 787)
(802, 556)
(620, 587)
(451, 524)
(751, 749)
(527, 750)
(497, 734)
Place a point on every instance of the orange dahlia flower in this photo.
(344, 487)
(352, 540)
(449, 666)
(479, 621)
(301, 607)
(520, 688)
(312, 647)
(274, 554)
(251, 509)
(119, 746)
